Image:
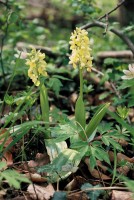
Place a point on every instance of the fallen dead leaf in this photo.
(120, 157)
(8, 158)
(121, 195)
(2, 193)
(124, 170)
(42, 192)
(75, 183)
(104, 168)
(95, 173)
(78, 196)
(36, 177)
(42, 159)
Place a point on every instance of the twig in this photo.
(99, 188)
(111, 11)
(46, 50)
(107, 23)
(3, 3)
(116, 32)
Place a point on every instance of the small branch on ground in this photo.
(46, 50)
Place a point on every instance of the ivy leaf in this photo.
(92, 194)
(60, 196)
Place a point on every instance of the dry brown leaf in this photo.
(95, 173)
(2, 193)
(36, 178)
(121, 195)
(120, 157)
(43, 193)
(8, 140)
(104, 168)
(42, 159)
(78, 196)
(99, 175)
(123, 142)
(8, 158)
(75, 183)
(124, 170)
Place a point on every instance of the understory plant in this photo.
(82, 136)
(68, 142)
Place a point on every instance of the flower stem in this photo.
(81, 82)
(44, 106)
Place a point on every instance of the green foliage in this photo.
(122, 112)
(96, 119)
(80, 115)
(13, 178)
(93, 139)
(44, 106)
(59, 168)
(60, 196)
(92, 194)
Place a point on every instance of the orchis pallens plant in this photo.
(81, 58)
(37, 68)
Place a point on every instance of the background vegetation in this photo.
(51, 151)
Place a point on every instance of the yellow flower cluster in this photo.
(37, 65)
(79, 45)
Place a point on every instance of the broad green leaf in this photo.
(54, 149)
(79, 144)
(65, 158)
(44, 106)
(96, 119)
(80, 115)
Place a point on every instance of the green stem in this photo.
(44, 107)
(81, 82)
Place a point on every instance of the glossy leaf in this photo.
(96, 119)
(80, 115)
